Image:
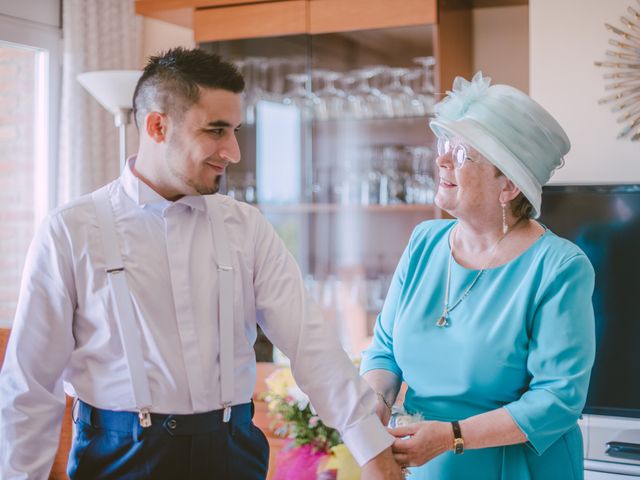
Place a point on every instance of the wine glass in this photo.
(365, 101)
(300, 95)
(426, 89)
(399, 94)
(330, 101)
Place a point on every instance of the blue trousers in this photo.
(113, 445)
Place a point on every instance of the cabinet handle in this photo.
(626, 450)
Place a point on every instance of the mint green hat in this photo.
(508, 128)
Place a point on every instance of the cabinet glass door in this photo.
(338, 155)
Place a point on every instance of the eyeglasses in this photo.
(458, 152)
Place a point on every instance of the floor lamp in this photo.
(113, 89)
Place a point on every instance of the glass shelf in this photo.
(348, 119)
(339, 208)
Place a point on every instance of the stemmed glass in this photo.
(370, 178)
(300, 95)
(420, 186)
(400, 95)
(426, 89)
(330, 101)
(366, 101)
(254, 71)
(391, 182)
(417, 105)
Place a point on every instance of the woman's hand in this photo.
(426, 440)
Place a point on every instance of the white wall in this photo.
(566, 37)
(501, 44)
(159, 36)
(46, 12)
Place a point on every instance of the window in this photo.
(28, 104)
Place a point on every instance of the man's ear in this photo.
(156, 124)
(509, 191)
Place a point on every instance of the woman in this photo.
(488, 318)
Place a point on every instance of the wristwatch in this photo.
(458, 441)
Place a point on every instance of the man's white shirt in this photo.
(65, 327)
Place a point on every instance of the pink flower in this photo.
(313, 421)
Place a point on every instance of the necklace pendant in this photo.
(442, 322)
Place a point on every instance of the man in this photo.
(142, 298)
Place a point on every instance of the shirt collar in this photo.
(144, 195)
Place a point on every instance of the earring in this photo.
(505, 227)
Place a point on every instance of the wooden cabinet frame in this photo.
(217, 20)
(264, 19)
(329, 16)
(321, 16)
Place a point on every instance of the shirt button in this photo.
(172, 424)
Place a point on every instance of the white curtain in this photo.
(97, 35)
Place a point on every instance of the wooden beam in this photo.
(465, 4)
(150, 5)
(180, 12)
(453, 47)
(171, 11)
(327, 16)
(498, 3)
(269, 19)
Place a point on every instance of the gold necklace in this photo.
(443, 321)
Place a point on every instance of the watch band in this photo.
(458, 441)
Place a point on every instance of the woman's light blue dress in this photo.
(523, 339)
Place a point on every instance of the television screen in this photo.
(604, 221)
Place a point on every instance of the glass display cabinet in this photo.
(338, 155)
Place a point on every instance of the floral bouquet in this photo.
(315, 451)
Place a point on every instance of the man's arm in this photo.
(319, 364)
(32, 399)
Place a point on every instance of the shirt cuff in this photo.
(366, 439)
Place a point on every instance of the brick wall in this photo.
(16, 171)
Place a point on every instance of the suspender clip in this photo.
(144, 416)
(225, 268)
(226, 414)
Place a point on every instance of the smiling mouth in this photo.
(218, 168)
(446, 183)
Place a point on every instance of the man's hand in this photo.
(418, 443)
(382, 467)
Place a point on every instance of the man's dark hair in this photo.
(171, 81)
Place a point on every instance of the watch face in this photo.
(458, 445)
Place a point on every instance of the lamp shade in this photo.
(113, 89)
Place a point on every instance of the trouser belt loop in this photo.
(74, 410)
(136, 428)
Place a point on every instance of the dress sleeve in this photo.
(561, 354)
(379, 355)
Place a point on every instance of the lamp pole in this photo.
(123, 118)
(114, 89)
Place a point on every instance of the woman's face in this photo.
(471, 190)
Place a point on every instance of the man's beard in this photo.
(201, 189)
(175, 147)
(208, 190)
